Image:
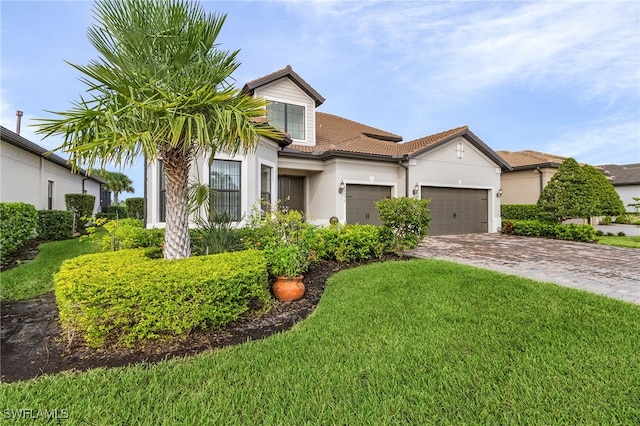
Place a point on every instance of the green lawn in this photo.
(629, 242)
(35, 277)
(414, 342)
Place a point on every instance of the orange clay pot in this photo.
(288, 289)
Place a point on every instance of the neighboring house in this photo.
(530, 173)
(626, 181)
(30, 174)
(339, 168)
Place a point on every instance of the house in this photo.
(626, 181)
(30, 174)
(530, 173)
(338, 168)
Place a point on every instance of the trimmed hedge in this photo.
(535, 228)
(124, 297)
(120, 212)
(82, 206)
(135, 207)
(18, 224)
(346, 243)
(519, 211)
(55, 225)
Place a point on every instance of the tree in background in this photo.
(160, 88)
(569, 194)
(608, 202)
(116, 182)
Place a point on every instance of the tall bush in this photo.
(82, 207)
(135, 207)
(569, 194)
(608, 202)
(18, 224)
(55, 225)
(406, 222)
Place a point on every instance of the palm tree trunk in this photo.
(115, 198)
(177, 243)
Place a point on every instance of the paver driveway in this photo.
(610, 271)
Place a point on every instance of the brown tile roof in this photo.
(292, 75)
(420, 144)
(626, 174)
(530, 159)
(340, 136)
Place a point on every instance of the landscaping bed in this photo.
(32, 343)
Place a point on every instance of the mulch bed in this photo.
(32, 342)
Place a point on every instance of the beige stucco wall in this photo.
(25, 176)
(523, 186)
(265, 153)
(441, 167)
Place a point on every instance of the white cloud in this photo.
(461, 48)
(605, 141)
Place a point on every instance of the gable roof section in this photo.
(422, 145)
(286, 72)
(18, 141)
(527, 159)
(626, 174)
(337, 136)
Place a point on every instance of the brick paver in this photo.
(605, 270)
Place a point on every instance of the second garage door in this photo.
(361, 203)
(457, 210)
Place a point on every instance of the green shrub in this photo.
(129, 234)
(55, 225)
(82, 207)
(621, 234)
(536, 228)
(406, 222)
(358, 242)
(606, 220)
(628, 219)
(110, 216)
(519, 211)
(18, 224)
(216, 235)
(125, 297)
(345, 243)
(280, 234)
(120, 212)
(135, 207)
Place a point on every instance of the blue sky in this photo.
(558, 77)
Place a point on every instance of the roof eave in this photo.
(289, 73)
(25, 144)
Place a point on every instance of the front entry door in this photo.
(291, 192)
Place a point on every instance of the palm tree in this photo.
(160, 88)
(116, 182)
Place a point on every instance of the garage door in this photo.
(457, 210)
(361, 203)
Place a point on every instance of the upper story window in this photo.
(287, 117)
